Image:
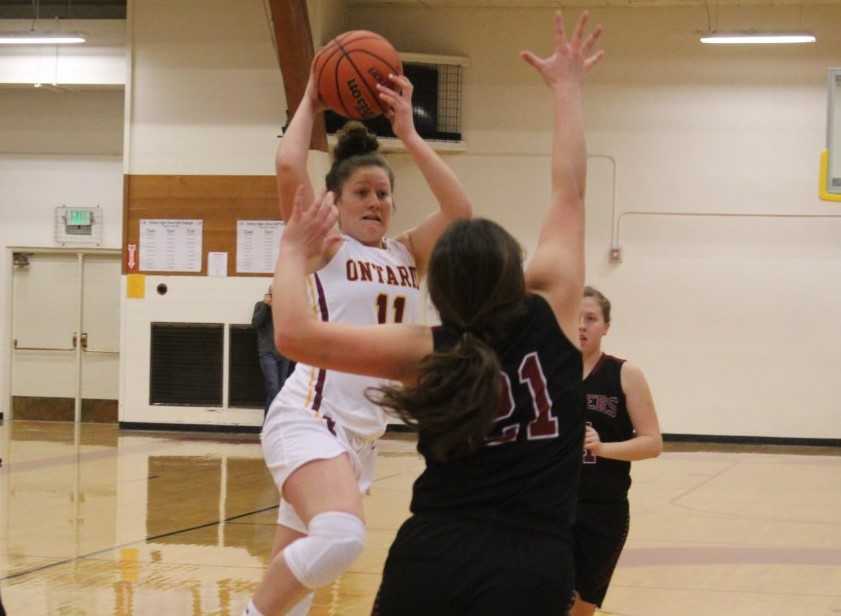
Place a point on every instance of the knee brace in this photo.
(302, 608)
(334, 541)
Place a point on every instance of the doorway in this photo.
(65, 330)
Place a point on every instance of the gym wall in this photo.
(57, 146)
(731, 319)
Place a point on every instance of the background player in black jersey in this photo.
(494, 391)
(622, 427)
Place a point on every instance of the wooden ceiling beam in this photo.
(295, 51)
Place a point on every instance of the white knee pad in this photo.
(334, 541)
(302, 608)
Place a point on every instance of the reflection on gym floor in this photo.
(97, 521)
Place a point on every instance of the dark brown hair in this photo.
(356, 147)
(477, 285)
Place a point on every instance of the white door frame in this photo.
(80, 253)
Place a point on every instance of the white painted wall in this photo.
(58, 145)
(32, 187)
(61, 122)
(207, 98)
(731, 319)
(327, 19)
(189, 299)
(100, 61)
(206, 91)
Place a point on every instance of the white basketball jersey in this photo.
(361, 285)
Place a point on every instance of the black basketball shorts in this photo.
(599, 535)
(458, 568)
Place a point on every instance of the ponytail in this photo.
(476, 283)
(455, 400)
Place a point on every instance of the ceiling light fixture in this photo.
(757, 38)
(50, 37)
(39, 38)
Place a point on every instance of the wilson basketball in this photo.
(348, 69)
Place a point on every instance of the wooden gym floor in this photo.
(126, 523)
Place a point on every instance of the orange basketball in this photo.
(348, 69)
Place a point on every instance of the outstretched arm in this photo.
(453, 203)
(385, 351)
(557, 268)
(291, 157)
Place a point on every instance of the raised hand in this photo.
(311, 93)
(572, 57)
(398, 102)
(311, 228)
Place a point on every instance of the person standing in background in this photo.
(275, 367)
(622, 427)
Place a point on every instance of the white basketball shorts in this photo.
(292, 437)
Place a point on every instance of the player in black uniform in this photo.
(621, 427)
(494, 391)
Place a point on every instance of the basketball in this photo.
(348, 69)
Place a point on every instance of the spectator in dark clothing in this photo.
(275, 366)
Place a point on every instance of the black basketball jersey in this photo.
(604, 480)
(526, 475)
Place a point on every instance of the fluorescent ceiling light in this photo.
(35, 38)
(744, 38)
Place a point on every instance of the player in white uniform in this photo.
(320, 432)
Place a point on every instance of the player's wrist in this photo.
(411, 138)
(567, 87)
(293, 252)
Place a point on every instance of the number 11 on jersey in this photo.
(399, 306)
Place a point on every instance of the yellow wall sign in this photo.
(136, 286)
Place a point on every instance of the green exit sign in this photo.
(79, 218)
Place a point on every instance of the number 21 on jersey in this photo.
(542, 424)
